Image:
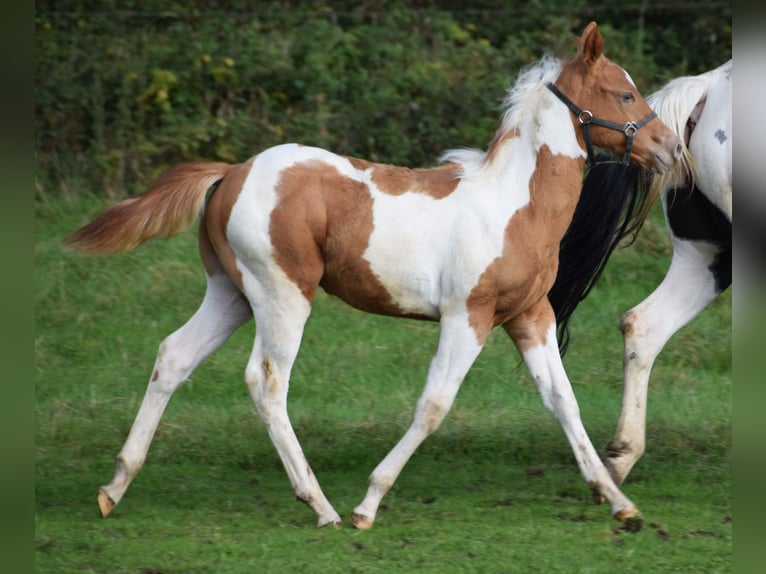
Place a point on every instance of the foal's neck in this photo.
(553, 165)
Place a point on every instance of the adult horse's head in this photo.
(609, 112)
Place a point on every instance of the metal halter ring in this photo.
(586, 117)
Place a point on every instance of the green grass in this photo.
(495, 489)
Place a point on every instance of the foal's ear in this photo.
(591, 44)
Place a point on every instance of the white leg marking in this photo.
(279, 322)
(222, 310)
(686, 290)
(545, 366)
(456, 353)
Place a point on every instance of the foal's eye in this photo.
(627, 98)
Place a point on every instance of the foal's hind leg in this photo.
(458, 348)
(222, 310)
(280, 319)
(534, 333)
(686, 290)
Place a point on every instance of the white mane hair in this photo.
(674, 103)
(521, 102)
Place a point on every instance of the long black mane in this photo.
(613, 205)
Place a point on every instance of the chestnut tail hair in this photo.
(170, 206)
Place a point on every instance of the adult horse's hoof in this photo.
(361, 522)
(105, 504)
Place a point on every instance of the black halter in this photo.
(630, 129)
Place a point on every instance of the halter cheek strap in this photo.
(586, 118)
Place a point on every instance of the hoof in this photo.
(336, 523)
(631, 517)
(361, 522)
(105, 504)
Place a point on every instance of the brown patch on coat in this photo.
(530, 328)
(212, 229)
(525, 271)
(206, 252)
(320, 230)
(437, 182)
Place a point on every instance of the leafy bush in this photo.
(123, 90)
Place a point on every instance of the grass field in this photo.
(495, 489)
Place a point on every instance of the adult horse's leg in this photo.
(458, 348)
(687, 288)
(222, 310)
(280, 315)
(534, 333)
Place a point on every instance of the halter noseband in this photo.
(585, 117)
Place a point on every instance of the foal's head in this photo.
(605, 91)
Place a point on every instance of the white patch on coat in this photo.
(712, 153)
(429, 253)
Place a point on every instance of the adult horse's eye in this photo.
(627, 98)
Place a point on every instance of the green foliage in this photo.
(126, 89)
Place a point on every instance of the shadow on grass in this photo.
(222, 470)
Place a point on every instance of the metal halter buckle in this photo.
(630, 129)
(585, 117)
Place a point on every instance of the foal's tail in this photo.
(168, 207)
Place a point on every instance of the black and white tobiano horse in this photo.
(696, 200)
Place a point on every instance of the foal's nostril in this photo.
(678, 150)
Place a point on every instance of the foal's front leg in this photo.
(458, 348)
(534, 333)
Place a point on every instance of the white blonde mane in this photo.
(521, 103)
(674, 103)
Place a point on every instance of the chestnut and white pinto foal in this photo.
(697, 203)
(472, 244)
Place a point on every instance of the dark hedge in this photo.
(126, 89)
